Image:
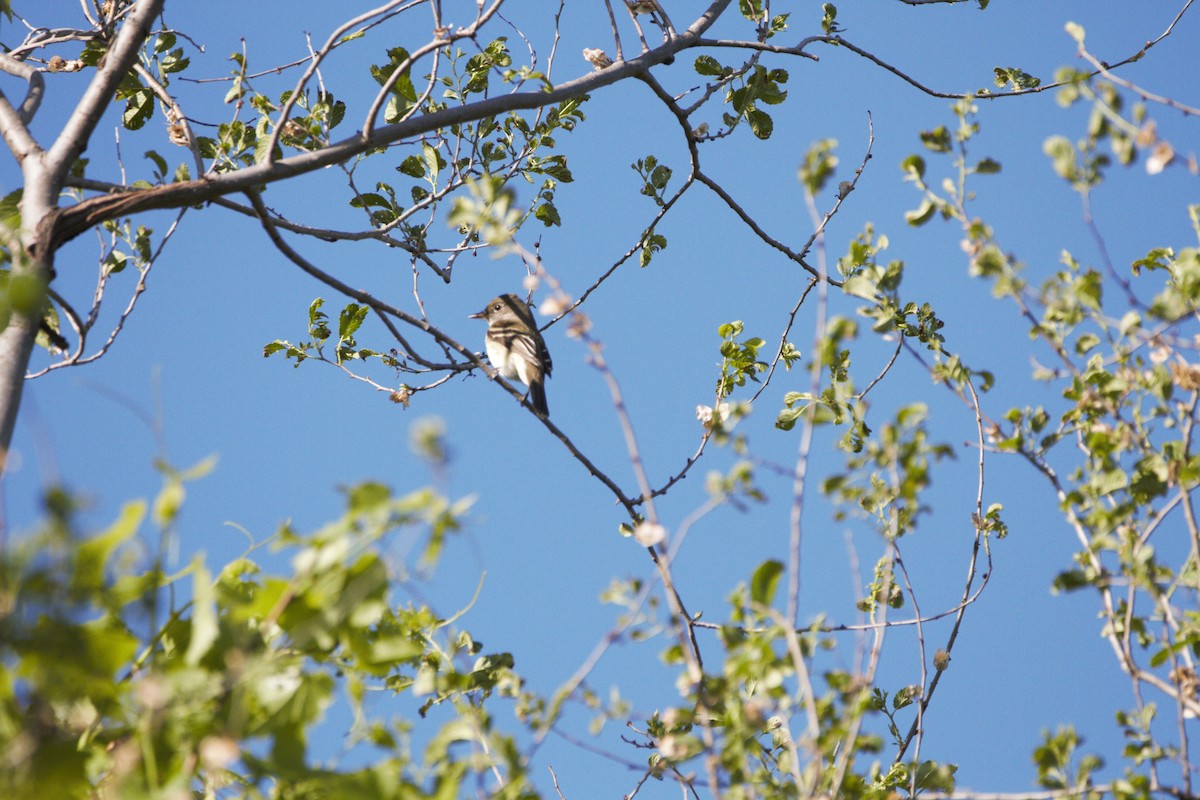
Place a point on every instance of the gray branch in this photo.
(79, 218)
(15, 121)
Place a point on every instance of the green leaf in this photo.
(95, 553)
(937, 140)
(412, 166)
(204, 630)
(760, 123)
(987, 166)
(765, 582)
(707, 65)
(351, 319)
(921, 214)
(1062, 156)
(159, 162)
(914, 166)
(862, 285)
(433, 161)
(138, 109)
(548, 214)
(829, 19)
(168, 501)
(10, 209)
(787, 418)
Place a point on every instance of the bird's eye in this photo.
(496, 307)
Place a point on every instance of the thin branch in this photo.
(783, 338)
(314, 63)
(800, 474)
(980, 541)
(987, 95)
(14, 121)
(34, 91)
(870, 626)
(662, 212)
(96, 98)
(175, 115)
(1105, 70)
(612, 20)
(77, 358)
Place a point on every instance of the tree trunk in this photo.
(44, 171)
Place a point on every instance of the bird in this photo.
(516, 348)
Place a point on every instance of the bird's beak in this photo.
(480, 315)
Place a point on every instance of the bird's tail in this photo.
(537, 397)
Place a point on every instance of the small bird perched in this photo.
(516, 348)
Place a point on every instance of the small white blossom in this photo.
(709, 416)
(553, 306)
(649, 534)
(1162, 155)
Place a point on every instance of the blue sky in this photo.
(543, 530)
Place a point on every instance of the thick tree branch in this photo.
(95, 210)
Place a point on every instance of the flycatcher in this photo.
(516, 348)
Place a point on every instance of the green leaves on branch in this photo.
(1180, 295)
(113, 687)
(1056, 762)
(884, 590)
(479, 67)
(761, 86)
(1079, 165)
(652, 242)
(167, 58)
(950, 201)
(755, 11)
(473, 75)
(885, 481)
(309, 131)
(837, 403)
(345, 347)
(829, 24)
(164, 58)
(403, 93)
(990, 524)
(1017, 78)
(237, 144)
(739, 360)
(655, 177)
(749, 88)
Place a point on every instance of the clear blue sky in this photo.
(191, 358)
